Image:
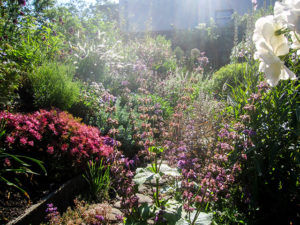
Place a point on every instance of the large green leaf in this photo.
(203, 219)
(144, 174)
(166, 170)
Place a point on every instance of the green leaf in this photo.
(203, 218)
(142, 175)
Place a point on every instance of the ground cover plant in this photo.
(162, 130)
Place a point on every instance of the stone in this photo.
(112, 216)
(117, 205)
(142, 189)
(144, 199)
(104, 209)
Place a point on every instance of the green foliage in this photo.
(53, 86)
(126, 132)
(21, 166)
(97, 176)
(239, 93)
(36, 45)
(270, 141)
(9, 82)
(271, 171)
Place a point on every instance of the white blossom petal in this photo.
(287, 13)
(270, 46)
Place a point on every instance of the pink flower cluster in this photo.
(57, 133)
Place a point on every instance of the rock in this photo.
(144, 199)
(112, 216)
(143, 189)
(150, 222)
(117, 205)
(110, 213)
(167, 170)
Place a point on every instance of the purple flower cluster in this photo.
(123, 183)
(53, 215)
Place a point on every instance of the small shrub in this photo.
(229, 75)
(53, 86)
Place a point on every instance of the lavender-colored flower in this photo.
(263, 85)
(225, 146)
(52, 214)
(99, 217)
(109, 141)
(182, 148)
(191, 174)
(223, 133)
(181, 164)
(158, 111)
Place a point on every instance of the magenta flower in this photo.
(10, 139)
(50, 150)
(30, 143)
(23, 141)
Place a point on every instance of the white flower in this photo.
(269, 46)
(265, 29)
(287, 13)
(275, 70)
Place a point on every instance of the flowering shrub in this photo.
(56, 135)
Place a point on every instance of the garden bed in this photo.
(62, 197)
(161, 134)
